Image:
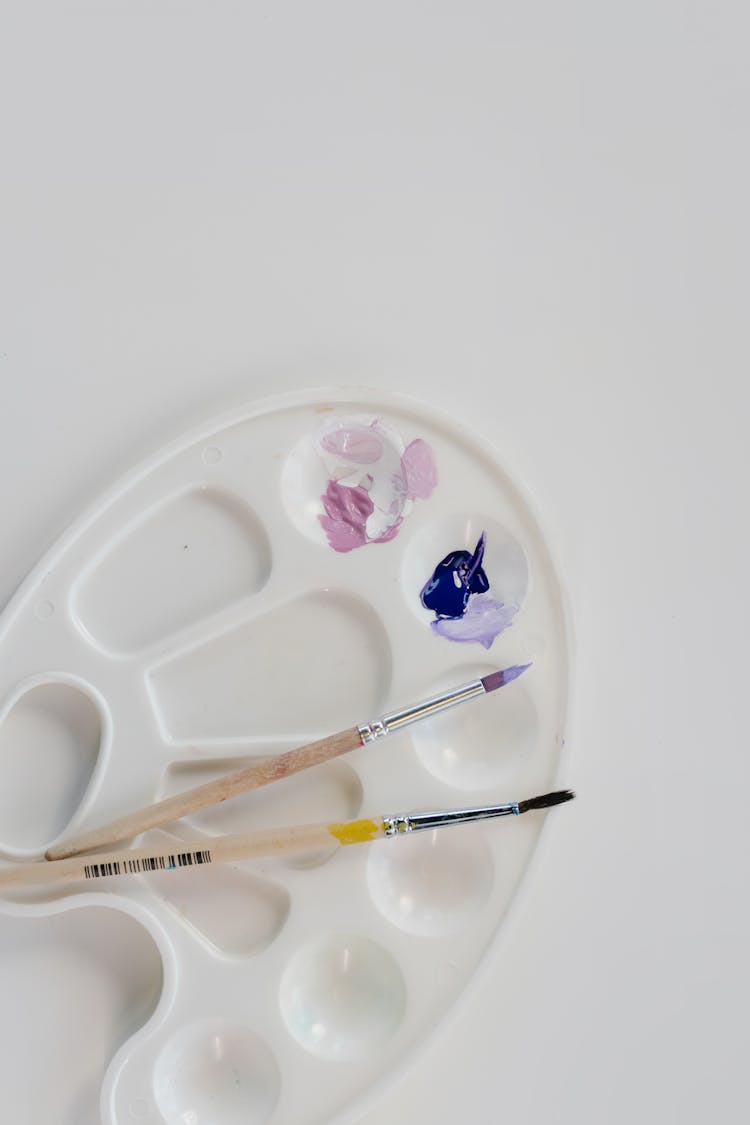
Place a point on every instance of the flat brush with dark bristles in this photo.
(547, 800)
(267, 770)
(270, 841)
(415, 822)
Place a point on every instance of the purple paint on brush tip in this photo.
(504, 676)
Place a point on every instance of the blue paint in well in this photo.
(457, 593)
(454, 580)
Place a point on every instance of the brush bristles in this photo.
(505, 676)
(546, 801)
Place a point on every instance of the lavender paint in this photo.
(485, 618)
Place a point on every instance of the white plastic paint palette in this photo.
(195, 618)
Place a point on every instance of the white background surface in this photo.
(533, 216)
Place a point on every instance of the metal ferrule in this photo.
(379, 728)
(423, 822)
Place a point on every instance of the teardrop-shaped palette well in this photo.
(190, 557)
(49, 744)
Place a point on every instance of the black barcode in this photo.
(153, 863)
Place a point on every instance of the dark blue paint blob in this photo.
(454, 580)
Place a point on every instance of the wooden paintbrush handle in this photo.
(182, 856)
(186, 855)
(243, 780)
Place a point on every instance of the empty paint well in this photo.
(431, 883)
(342, 997)
(49, 743)
(216, 1073)
(326, 652)
(192, 556)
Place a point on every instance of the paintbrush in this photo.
(270, 841)
(267, 770)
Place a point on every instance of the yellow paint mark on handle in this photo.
(356, 831)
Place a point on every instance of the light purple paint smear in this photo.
(359, 444)
(483, 620)
(418, 470)
(347, 510)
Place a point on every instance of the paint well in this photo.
(353, 480)
(216, 1073)
(342, 997)
(49, 744)
(431, 883)
(491, 746)
(458, 594)
(372, 481)
(327, 651)
(188, 558)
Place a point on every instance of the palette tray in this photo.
(254, 586)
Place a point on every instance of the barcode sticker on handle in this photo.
(152, 863)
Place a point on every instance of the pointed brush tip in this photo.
(504, 676)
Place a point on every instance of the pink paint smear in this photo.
(418, 470)
(348, 507)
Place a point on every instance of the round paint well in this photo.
(352, 480)
(484, 744)
(342, 997)
(431, 883)
(504, 563)
(216, 1073)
